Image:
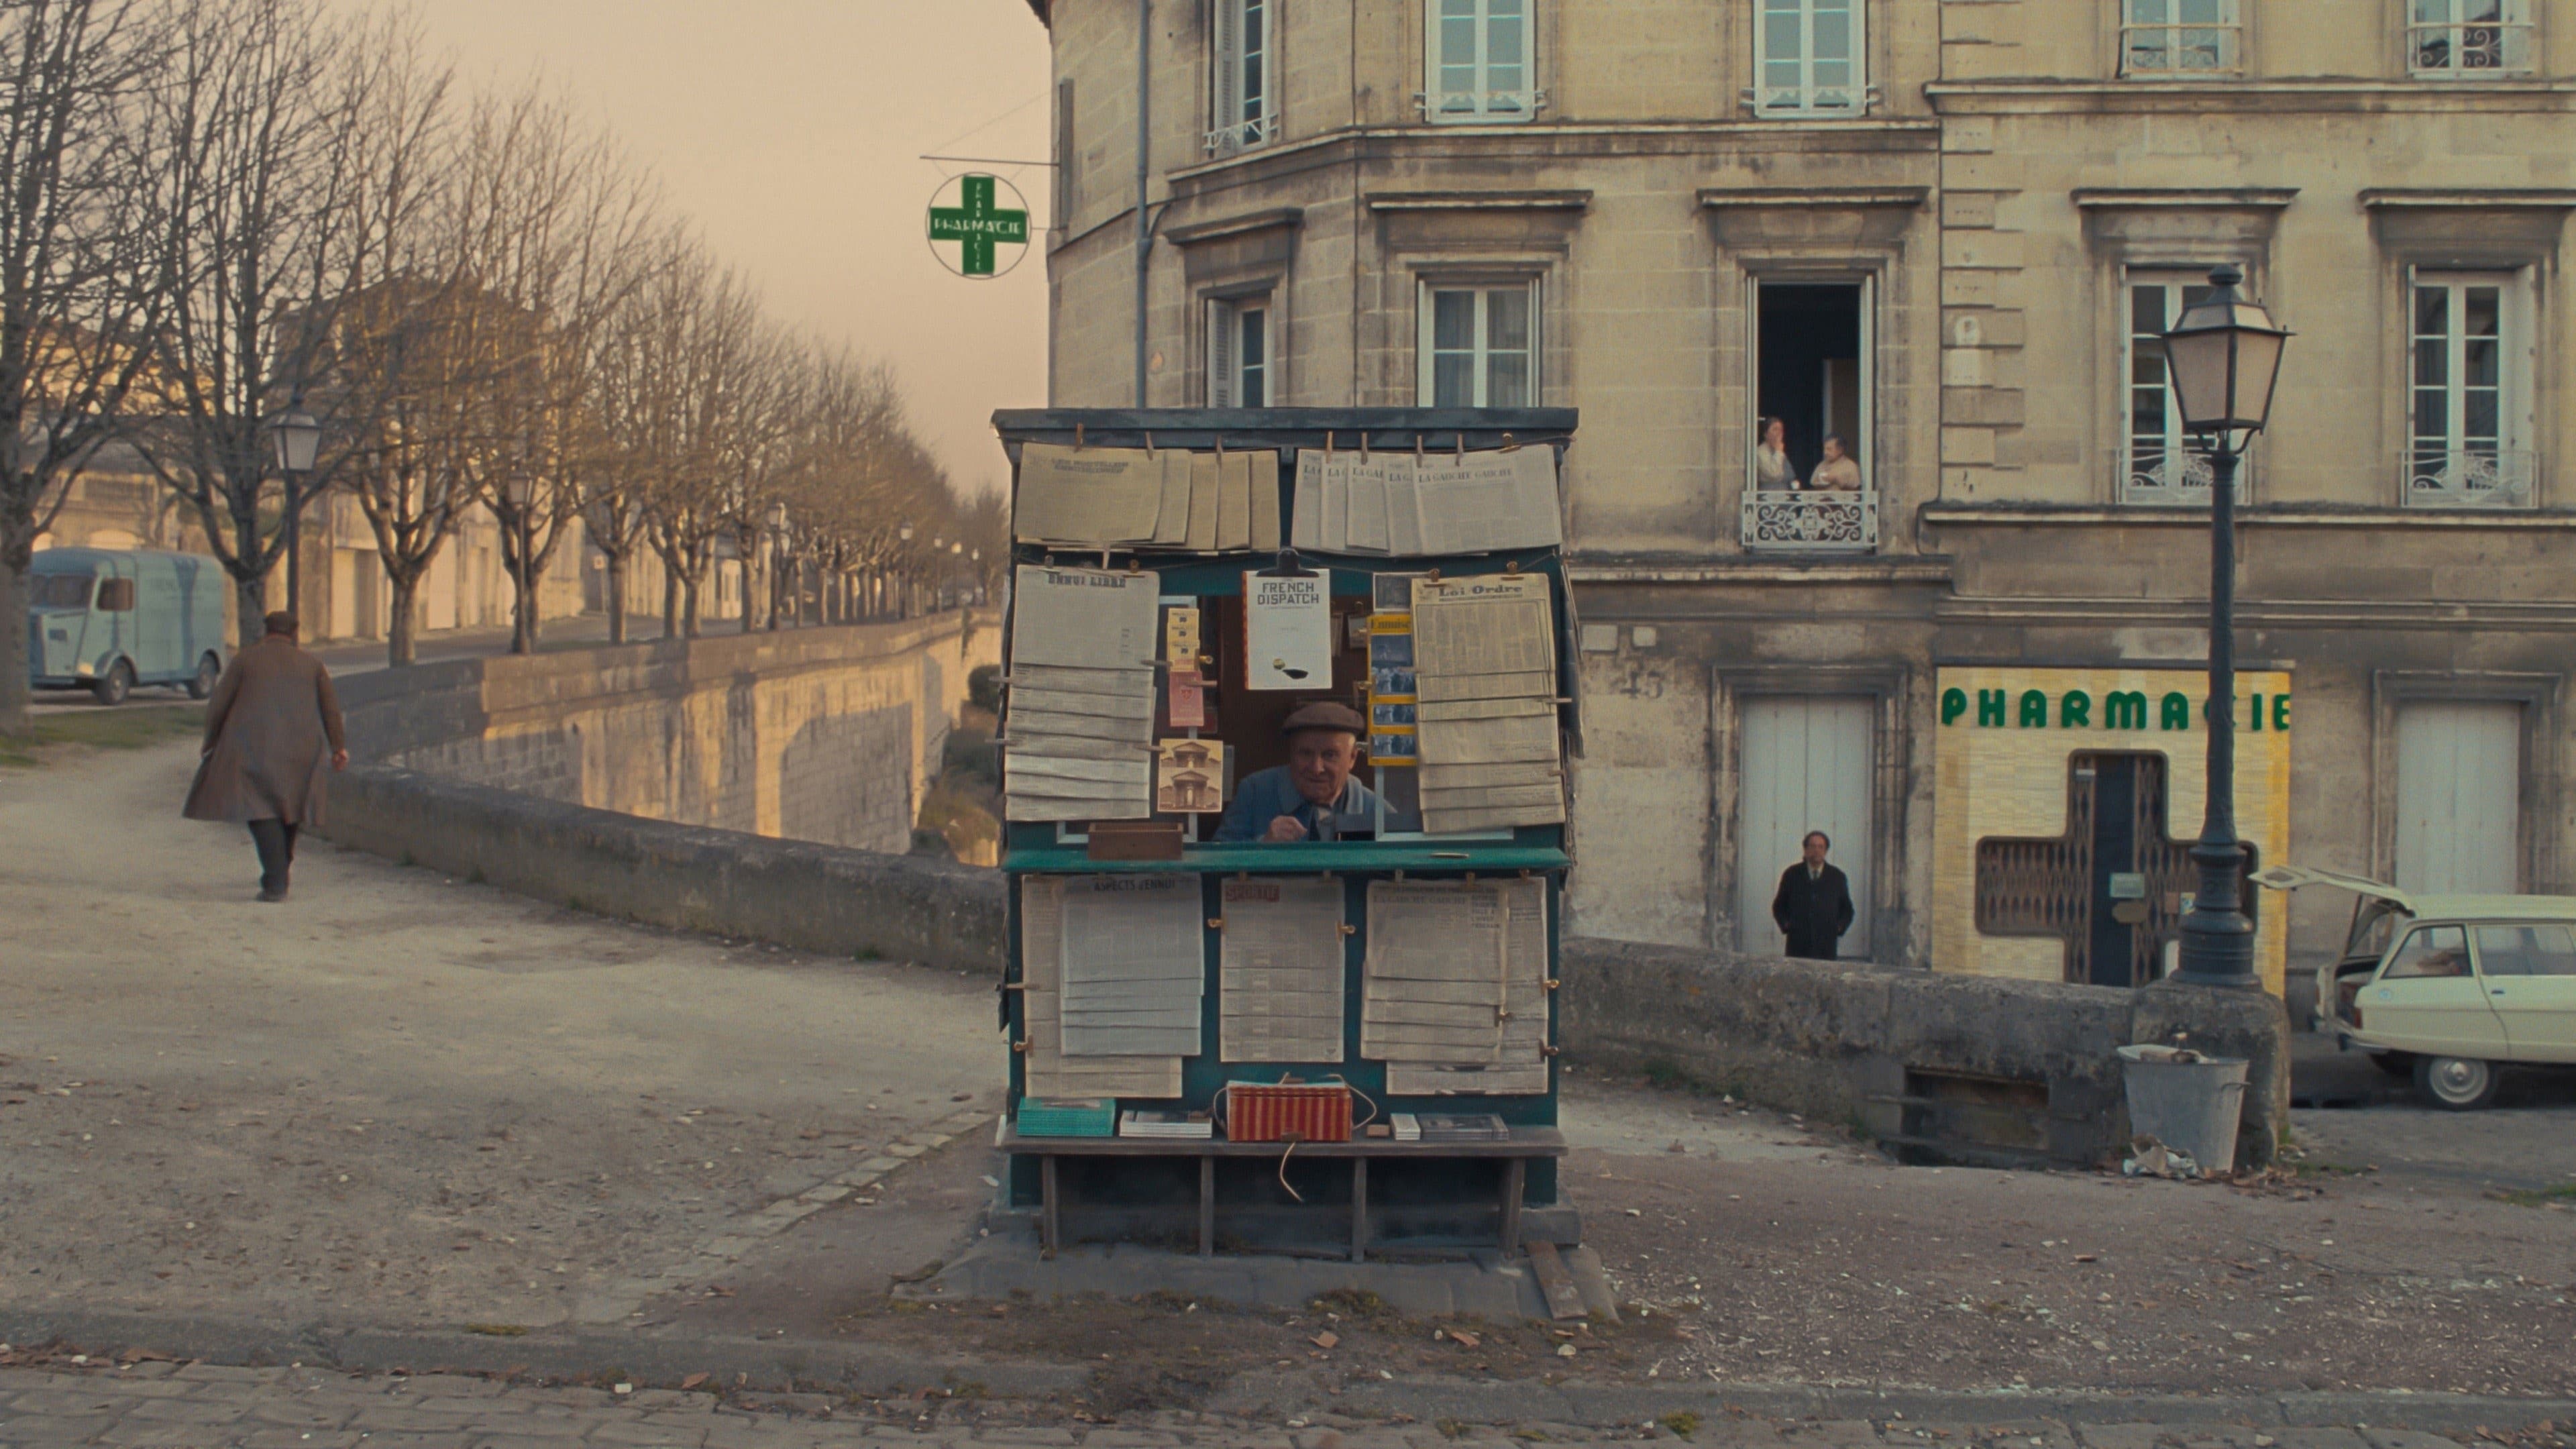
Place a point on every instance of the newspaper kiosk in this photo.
(1342, 1041)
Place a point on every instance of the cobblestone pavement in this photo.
(160, 1405)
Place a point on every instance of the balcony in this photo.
(1810, 521)
(2480, 50)
(2472, 478)
(2170, 480)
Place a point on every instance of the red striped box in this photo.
(1287, 1112)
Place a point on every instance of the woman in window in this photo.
(1839, 473)
(1771, 470)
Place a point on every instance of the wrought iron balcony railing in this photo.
(2474, 50)
(2171, 480)
(1459, 108)
(2471, 478)
(1242, 136)
(2179, 50)
(1809, 520)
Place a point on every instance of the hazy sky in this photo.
(791, 130)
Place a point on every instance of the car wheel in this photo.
(2455, 1084)
(202, 683)
(113, 686)
(2395, 1064)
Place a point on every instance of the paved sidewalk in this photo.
(201, 1406)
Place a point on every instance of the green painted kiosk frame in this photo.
(1375, 1191)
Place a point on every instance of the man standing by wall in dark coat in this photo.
(1814, 904)
(271, 727)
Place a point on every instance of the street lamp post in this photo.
(2224, 356)
(296, 437)
(522, 492)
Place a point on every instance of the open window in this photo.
(1812, 386)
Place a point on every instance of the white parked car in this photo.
(2448, 987)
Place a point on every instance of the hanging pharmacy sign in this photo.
(979, 226)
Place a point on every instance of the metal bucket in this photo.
(2189, 1102)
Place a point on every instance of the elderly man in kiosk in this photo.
(1303, 799)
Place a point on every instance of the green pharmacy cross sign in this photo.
(980, 226)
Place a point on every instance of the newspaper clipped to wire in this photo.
(1432, 982)
(1280, 970)
(1046, 1070)
(1134, 965)
(1485, 668)
(1429, 504)
(1078, 728)
(1141, 499)
(1521, 1064)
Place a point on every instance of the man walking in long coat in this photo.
(1813, 907)
(271, 729)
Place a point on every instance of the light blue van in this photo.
(106, 620)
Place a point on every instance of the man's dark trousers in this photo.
(1813, 912)
(276, 842)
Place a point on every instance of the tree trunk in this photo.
(15, 695)
(616, 598)
(670, 601)
(523, 611)
(402, 629)
(250, 598)
(689, 605)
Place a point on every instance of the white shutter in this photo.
(1225, 91)
(1221, 339)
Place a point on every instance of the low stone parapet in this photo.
(1937, 1066)
(826, 899)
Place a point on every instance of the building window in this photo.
(2448, 39)
(2178, 37)
(1478, 62)
(1480, 346)
(2469, 383)
(1241, 104)
(1811, 483)
(1808, 55)
(1239, 353)
(2161, 464)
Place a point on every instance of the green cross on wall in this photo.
(977, 225)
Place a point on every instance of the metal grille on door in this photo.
(2112, 887)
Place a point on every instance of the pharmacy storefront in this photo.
(2065, 803)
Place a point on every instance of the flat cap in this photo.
(280, 622)
(1324, 714)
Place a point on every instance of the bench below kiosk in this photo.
(1513, 1154)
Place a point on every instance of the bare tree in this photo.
(705, 337)
(561, 235)
(70, 318)
(256, 128)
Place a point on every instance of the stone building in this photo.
(1946, 231)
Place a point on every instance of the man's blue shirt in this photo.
(1265, 795)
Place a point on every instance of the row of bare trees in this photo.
(221, 213)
